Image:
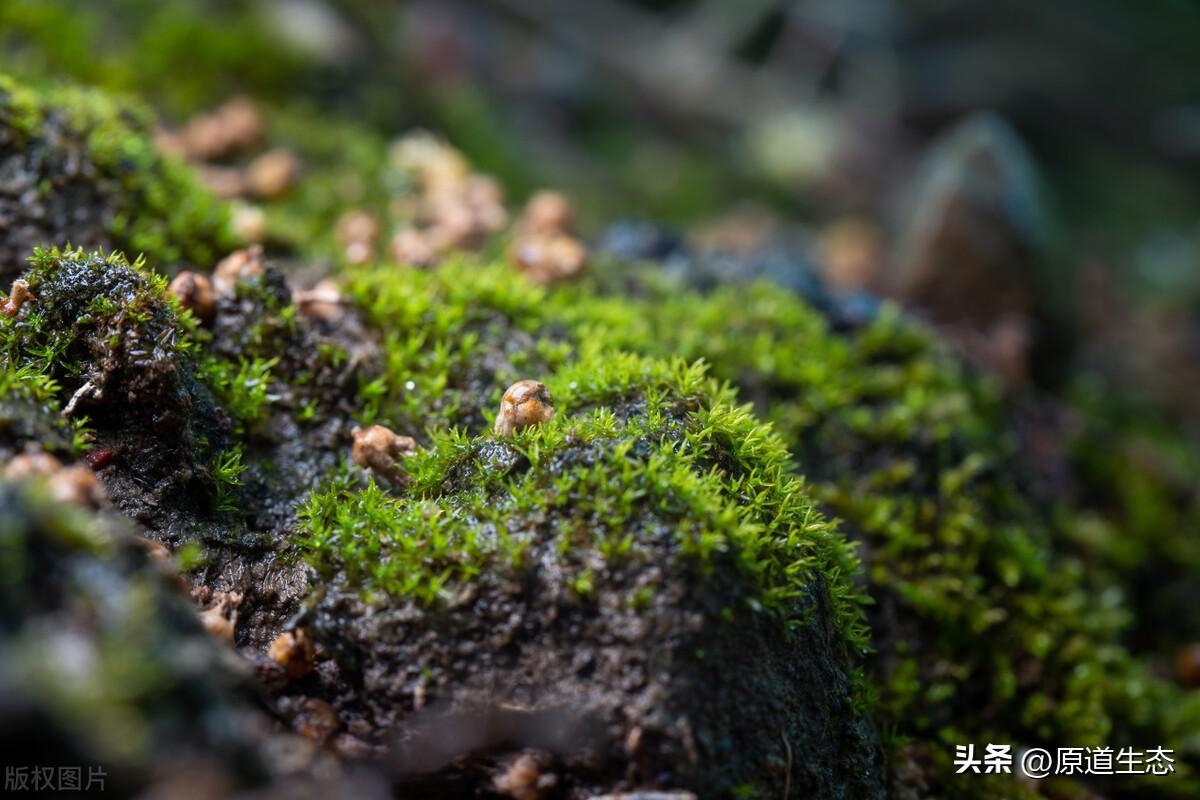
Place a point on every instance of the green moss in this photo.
(106, 337)
(146, 203)
(987, 628)
(20, 114)
(94, 296)
(638, 448)
(184, 55)
(1001, 632)
(241, 387)
(227, 474)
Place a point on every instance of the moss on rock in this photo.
(642, 558)
(986, 627)
(105, 666)
(116, 349)
(78, 167)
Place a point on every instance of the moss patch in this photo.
(80, 168)
(985, 626)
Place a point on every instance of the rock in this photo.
(129, 375)
(640, 240)
(96, 642)
(59, 183)
(975, 225)
(566, 651)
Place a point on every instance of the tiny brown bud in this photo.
(547, 212)
(357, 226)
(378, 449)
(100, 457)
(486, 199)
(452, 221)
(155, 550)
(294, 652)
(169, 143)
(410, 246)
(238, 266)
(225, 182)
(195, 292)
(77, 485)
(243, 123)
(549, 258)
(232, 128)
(443, 169)
(220, 619)
(358, 253)
(524, 404)
(34, 462)
(272, 173)
(520, 780)
(323, 301)
(852, 255)
(18, 296)
(249, 223)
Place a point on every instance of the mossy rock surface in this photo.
(645, 576)
(641, 565)
(117, 349)
(78, 168)
(106, 667)
(651, 514)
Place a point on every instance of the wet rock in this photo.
(130, 376)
